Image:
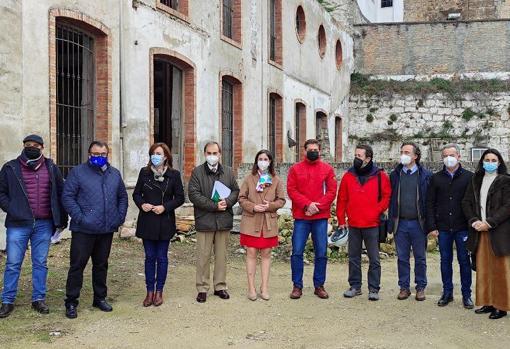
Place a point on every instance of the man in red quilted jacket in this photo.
(311, 185)
(363, 196)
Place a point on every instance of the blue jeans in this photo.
(319, 230)
(446, 240)
(409, 236)
(156, 263)
(39, 235)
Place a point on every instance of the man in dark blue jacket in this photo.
(96, 199)
(407, 216)
(447, 221)
(30, 192)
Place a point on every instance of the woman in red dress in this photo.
(260, 197)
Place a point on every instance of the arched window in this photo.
(275, 130)
(321, 39)
(300, 24)
(231, 121)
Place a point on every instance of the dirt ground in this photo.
(239, 323)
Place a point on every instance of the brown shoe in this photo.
(420, 295)
(201, 297)
(148, 301)
(321, 292)
(404, 294)
(296, 293)
(158, 298)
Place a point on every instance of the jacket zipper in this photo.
(24, 192)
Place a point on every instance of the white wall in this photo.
(372, 10)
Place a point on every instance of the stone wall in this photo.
(437, 10)
(474, 120)
(433, 48)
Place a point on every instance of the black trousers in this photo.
(83, 247)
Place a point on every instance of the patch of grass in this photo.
(393, 117)
(370, 118)
(468, 114)
(373, 110)
(454, 89)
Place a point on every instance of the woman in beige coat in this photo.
(260, 197)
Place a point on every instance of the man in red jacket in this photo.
(363, 196)
(311, 185)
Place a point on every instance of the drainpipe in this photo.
(121, 119)
(262, 89)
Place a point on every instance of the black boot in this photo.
(6, 309)
(102, 305)
(41, 307)
(71, 311)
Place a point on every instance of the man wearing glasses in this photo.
(96, 199)
(30, 193)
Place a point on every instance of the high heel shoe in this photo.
(158, 298)
(264, 296)
(148, 301)
(252, 296)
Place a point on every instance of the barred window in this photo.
(386, 3)
(228, 18)
(227, 121)
(171, 3)
(75, 95)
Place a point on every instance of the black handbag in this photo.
(383, 223)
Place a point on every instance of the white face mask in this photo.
(450, 161)
(405, 159)
(212, 159)
(263, 165)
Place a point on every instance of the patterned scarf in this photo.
(265, 180)
(159, 173)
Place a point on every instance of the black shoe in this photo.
(497, 314)
(71, 311)
(201, 297)
(485, 309)
(102, 305)
(223, 294)
(468, 302)
(40, 307)
(6, 309)
(445, 299)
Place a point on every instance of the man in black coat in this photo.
(446, 220)
(30, 192)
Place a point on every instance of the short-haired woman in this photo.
(486, 204)
(157, 194)
(260, 197)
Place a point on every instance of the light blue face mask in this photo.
(156, 159)
(490, 167)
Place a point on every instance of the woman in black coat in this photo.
(157, 194)
(486, 205)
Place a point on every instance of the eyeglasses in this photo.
(104, 155)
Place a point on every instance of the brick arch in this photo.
(237, 83)
(189, 137)
(103, 72)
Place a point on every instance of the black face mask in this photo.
(32, 153)
(312, 155)
(357, 163)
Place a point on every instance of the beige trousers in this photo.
(206, 241)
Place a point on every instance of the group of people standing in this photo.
(455, 205)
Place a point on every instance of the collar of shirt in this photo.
(413, 169)
(451, 174)
(213, 168)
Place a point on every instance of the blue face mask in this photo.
(98, 161)
(156, 159)
(490, 167)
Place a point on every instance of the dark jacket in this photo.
(97, 201)
(14, 198)
(444, 200)
(498, 213)
(424, 176)
(168, 193)
(207, 216)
